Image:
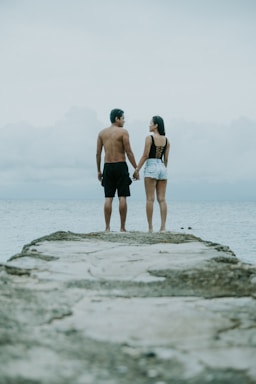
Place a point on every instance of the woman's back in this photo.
(158, 147)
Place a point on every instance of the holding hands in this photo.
(136, 175)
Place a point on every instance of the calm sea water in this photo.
(227, 223)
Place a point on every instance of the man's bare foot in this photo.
(162, 230)
(122, 230)
(107, 230)
(150, 230)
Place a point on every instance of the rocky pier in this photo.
(122, 308)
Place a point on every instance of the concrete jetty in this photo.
(122, 308)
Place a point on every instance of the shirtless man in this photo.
(116, 143)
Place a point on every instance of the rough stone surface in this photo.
(123, 308)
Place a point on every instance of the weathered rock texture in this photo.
(124, 308)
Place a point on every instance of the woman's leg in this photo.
(150, 185)
(160, 193)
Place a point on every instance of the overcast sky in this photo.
(66, 63)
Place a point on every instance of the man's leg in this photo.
(122, 212)
(108, 212)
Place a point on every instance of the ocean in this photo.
(228, 223)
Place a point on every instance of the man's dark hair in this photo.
(116, 113)
(160, 122)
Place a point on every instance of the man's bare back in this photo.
(116, 142)
(113, 142)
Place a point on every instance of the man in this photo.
(115, 177)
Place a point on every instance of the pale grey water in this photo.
(227, 223)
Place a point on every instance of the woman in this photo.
(156, 152)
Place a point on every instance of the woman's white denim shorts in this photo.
(155, 169)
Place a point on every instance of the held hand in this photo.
(136, 175)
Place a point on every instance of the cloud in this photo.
(213, 153)
(63, 153)
(62, 156)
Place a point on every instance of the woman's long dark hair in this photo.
(160, 124)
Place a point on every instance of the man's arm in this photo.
(128, 149)
(145, 154)
(98, 156)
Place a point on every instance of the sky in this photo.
(66, 63)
